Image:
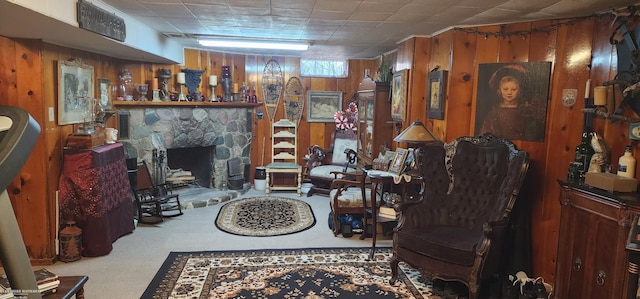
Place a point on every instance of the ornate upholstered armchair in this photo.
(343, 161)
(456, 231)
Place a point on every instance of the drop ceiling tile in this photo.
(248, 3)
(293, 4)
(380, 7)
(169, 10)
(207, 2)
(485, 4)
(250, 11)
(199, 9)
(329, 15)
(337, 5)
(161, 1)
(527, 6)
(290, 12)
(358, 16)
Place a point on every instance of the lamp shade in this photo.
(416, 133)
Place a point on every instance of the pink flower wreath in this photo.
(347, 120)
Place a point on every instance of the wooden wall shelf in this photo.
(186, 104)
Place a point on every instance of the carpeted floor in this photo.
(295, 273)
(265, 216)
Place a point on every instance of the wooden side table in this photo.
(378, 180)
(283, 167)
(69, 287)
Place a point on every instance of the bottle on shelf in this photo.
(584, 152)
(244, 90)
(627, 163)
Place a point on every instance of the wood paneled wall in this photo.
(28, 79)
(578, 52)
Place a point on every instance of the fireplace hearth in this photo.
(198, 160)
(220, 133)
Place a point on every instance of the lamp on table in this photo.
(417, 135)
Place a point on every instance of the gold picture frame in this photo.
(322, 105)
(397, 164)
(399, 95)
(75, 82)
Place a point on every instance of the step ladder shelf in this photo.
(284, 157)
(285, 144)
(284, 134)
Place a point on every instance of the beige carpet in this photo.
(135, 258)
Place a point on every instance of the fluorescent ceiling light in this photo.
(253, 44)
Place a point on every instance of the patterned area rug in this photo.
(265, 216)
(296, 273)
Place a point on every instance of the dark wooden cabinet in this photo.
(375, 128)
(594, 226)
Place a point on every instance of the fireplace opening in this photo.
(198, 160)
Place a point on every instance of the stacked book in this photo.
(5, 292)
(387, 211)
(47, 281)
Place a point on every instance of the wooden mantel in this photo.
(186, 104)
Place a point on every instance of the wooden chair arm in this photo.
(344, 183)
(344, 173)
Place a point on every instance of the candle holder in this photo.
(156, 95)
(182, 96)
(212, 97)
(142, 90)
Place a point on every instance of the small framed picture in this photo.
(436, 88)
(397, 164)
(104, 91)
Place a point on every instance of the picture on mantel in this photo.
(512, 99)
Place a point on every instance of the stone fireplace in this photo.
(224, 132)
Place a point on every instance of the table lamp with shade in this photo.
(416, 135)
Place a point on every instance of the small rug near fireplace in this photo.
(294, 273)
(265, 216)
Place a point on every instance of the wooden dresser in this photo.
(594, 227)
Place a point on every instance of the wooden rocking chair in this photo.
(154, 202)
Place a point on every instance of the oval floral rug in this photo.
(265, 216)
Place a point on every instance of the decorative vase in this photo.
(226, 83)
(70, 242)
(126, 86)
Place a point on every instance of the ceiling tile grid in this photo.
(343, 28)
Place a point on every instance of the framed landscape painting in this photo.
(322, 105)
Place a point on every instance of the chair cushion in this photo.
(339, 146)
(324, 171)
(451, 244)
(352, 197)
